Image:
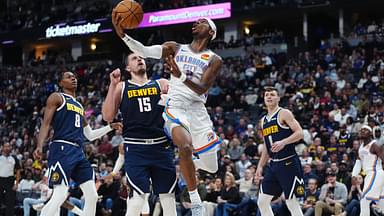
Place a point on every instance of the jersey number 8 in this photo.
(77, 120)
(144, 104)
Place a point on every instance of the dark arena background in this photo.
(325, 58)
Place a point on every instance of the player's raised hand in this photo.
(171, 66)
(277, 146)
(115, 76)
(117, 126)
(116, 21)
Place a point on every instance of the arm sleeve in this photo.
(95, 134)
(357, 168)
(154, 51)
(119, 163)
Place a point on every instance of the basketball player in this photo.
(66, 157)
(193, 69)
(284, 172)
(148, 155)
(370, 160)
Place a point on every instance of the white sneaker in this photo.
(197, 209)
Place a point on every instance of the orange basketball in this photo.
(130, 13)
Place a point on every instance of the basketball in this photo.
(130, 13)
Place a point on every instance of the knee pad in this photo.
(136, 203)
(168, 203)
(89, 190)
(264, 202)
(294, 207)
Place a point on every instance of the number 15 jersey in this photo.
(142, 115)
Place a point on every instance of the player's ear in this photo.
(211, 33)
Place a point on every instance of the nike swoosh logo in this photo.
(288, 163)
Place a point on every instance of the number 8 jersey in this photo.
(142, 116)
(68, 120)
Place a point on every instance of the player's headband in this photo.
(212, 25)
(367, 127)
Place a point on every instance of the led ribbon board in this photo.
(184, 15)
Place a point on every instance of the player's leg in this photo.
(294, 206)
(83, 174)
(60, 167)
(268, 189)
(145, 211)
(264, 203)
(380, 203)
(168, 203)
(90, 196)
(371, 191)
(136, 203)
(177, 125)
(59, 195)
(290, 176)
(164, 180)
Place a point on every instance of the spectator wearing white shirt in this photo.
(8, 181)
(45, 194)
(26, 184)
(242, 165)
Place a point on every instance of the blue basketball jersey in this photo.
(142, 115)
(273, 131)
(68, 120)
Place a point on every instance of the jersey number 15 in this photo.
(144, 104)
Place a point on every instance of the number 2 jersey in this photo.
(68, 120)
(142, 115)
(193, 65)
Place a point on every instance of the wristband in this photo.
(183, 77)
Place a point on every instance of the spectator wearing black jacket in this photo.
(229, 196)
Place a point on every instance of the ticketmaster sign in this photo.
(60, 31)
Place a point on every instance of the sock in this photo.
(194, 196)
(76, 210)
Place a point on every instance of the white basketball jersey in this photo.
(369, 162)
(193, 65)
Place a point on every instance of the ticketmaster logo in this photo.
(57, 31)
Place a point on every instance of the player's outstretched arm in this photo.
(53, 102)
(207, 80)
(91, 134)
(154, 51)
(113, 99)
(287, 118)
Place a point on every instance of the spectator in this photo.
(354, 195)
(229, 196)
(26, 184)
(235, 149)
(45, 193)
(245, 183)
(311, 197)
(109, 191)
(105, 148)
(8, 181)
(213, 192)
(333, 196)
(308, 174)
(242, 165)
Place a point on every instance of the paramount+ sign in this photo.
(67, 30)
